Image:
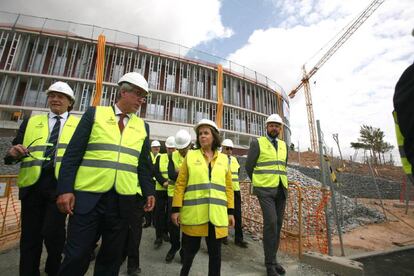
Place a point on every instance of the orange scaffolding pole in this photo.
(100, 61)
(219, 115)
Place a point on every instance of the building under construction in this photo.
(185, 85)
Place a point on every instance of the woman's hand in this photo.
(231, 221)
(175, 218)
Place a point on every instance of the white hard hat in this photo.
(170, 142)
(206, 122)
(182, 139)
(61, 87)
(227, 143)
(274, 118)
(136, 79)
(155, 143)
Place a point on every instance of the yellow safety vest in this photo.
(111, 158)
(38, 127)
(205, 199)
(407, 167)
(154, 157)
(270, 167)
(163, 167)
(178, 161)
(234, 166)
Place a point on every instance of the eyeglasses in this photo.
(38, 158)
(228, 148)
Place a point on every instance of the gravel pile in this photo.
(352, 215)
(356, 185)
(5, 144)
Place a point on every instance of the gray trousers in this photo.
(272, 202)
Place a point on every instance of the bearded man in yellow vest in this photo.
(105, 183)
(227, 148)
(40, 144)
(266, 166)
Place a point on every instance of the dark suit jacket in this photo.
(403, 104)
(86, 201)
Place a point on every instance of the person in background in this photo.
(155, 151)
(183, 144)
(161, 197)
(39, 145)
(105, 182)
(203, 198)
(266, 166)
(227, 148)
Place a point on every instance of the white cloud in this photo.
(187, 22)
(356, 85)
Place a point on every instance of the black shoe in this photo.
(165, 237)
(241, 244)
(133, 271)
(271, 271)
(157, 243)
(280, 269)
(170, 256)
(225, 241)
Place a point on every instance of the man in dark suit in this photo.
(39, 145)
(105, 176)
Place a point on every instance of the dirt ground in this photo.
(311, 159)
(397, 231)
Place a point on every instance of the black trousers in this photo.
(111, 222)
(238, 217)
(41, 222)
(135, 234)
(173, 229)
(273, 210)
(190, 247)
(161, 213)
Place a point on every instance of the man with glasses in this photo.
(227, 148)
(105, 182)
(39, 146)
(266, 166)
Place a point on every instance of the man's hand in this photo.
(165, 184)
(149, 206)
(231, 221)
(175, 218)
(18, 151)
(66, 203)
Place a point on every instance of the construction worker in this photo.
(105, 183)
(404, 119)
(203, 198)
(155, 151)
(266, 166)
(39, 145)
(161, 197)
(227, 148)
(183, 144)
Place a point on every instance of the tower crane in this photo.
(372, 7)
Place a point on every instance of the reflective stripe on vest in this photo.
(111, 158)
(407, 167)
(270, 167)
(163, 167)
(178, 161)
(234, 166)
(205, 199)
(38, 127)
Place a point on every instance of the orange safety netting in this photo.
(100, 61)
(219, 114)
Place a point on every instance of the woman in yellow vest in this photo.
(203, 198)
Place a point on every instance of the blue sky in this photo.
(275, 38)
(243, 17)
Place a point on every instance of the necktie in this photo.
(121, 122)
(274, 143)
(50, 150)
